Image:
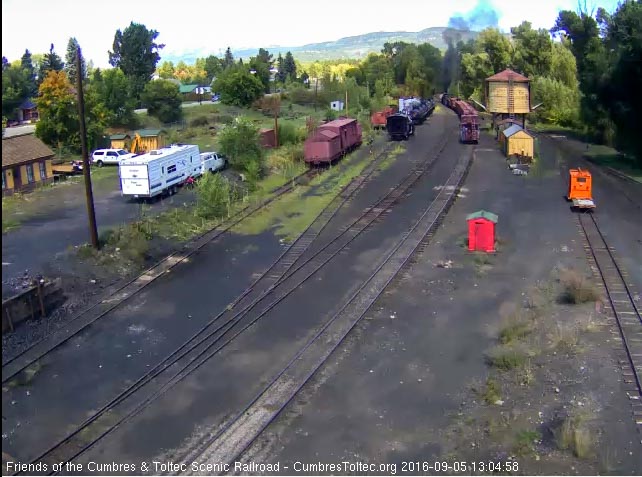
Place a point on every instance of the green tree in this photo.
(498, 48)
(564, 66)
(58, 115)
(135, 52)
(261, 65)
(238, 86)
(163, 100)
(240, 142)
(289, 67)
(50, 62)
(213, 66)
(533, 54)
(622, 94)
(113, 92)
(15, 89)
(30, 73)
(166, 70)
(280, 75)
(228, 60)
(70, 61)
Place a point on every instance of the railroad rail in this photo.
(196, 350)
(235, 437)
(118, 294)
(622, 302)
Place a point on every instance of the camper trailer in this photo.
(159, 171)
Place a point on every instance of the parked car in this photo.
(212, 161)
(101, 157)
(215, 97)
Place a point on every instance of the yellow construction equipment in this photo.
(136, 146)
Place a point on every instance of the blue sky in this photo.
(212, 26)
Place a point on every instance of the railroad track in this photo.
(197, 350)
(118, 294)
(626, 313)
(238, 434)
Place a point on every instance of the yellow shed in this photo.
(120, 141)
(516, 141)
(151, 139)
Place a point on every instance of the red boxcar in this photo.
(332, 140)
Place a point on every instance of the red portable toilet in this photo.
(481, 231)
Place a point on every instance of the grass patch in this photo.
(565, 337)
(491, 392)
(576, 289)
(608, 157)
(574, 434)
(507, 357)
(294, 212)
(525, 442)
(515, 327)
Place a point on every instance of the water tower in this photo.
(508, 95)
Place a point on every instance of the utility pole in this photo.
(347, 114)
(93, 231)
(276, 123)
(316, 88)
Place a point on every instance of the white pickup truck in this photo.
(212, 162)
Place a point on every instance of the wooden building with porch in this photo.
(26, 164)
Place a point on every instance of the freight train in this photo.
(417, 108)
(468, 118)
(332, 140)
(400, 126)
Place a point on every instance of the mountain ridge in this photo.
(349, 47)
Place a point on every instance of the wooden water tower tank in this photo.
(508, 94)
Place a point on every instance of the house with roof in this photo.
(28, 111)
(194, 92)
(26, 164)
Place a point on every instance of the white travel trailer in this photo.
(159, 171)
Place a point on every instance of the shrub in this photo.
(576, 289)
(214, 196)
(574, 435)
(506, 357)
(290, 134)
(199, 121)
(240, 142)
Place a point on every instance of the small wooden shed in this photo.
(516, 141)
(481, 231)
(151, 139)
(120, 141)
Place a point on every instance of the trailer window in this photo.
(171, 169)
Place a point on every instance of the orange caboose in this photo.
(580, 187)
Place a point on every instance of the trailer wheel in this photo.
(99, 163)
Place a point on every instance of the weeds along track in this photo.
(120, 293)
(237, 435)
(626, 313)
(279, 281)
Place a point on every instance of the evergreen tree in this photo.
(289, 66)
(136, 54)
(70, 61)
(229, 58)
(30, 73)
(280, 76)
(50, 62)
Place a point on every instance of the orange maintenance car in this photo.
(580, 189)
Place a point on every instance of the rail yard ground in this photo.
(464, 357)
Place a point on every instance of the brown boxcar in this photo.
(332, 140)
(268, 138)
